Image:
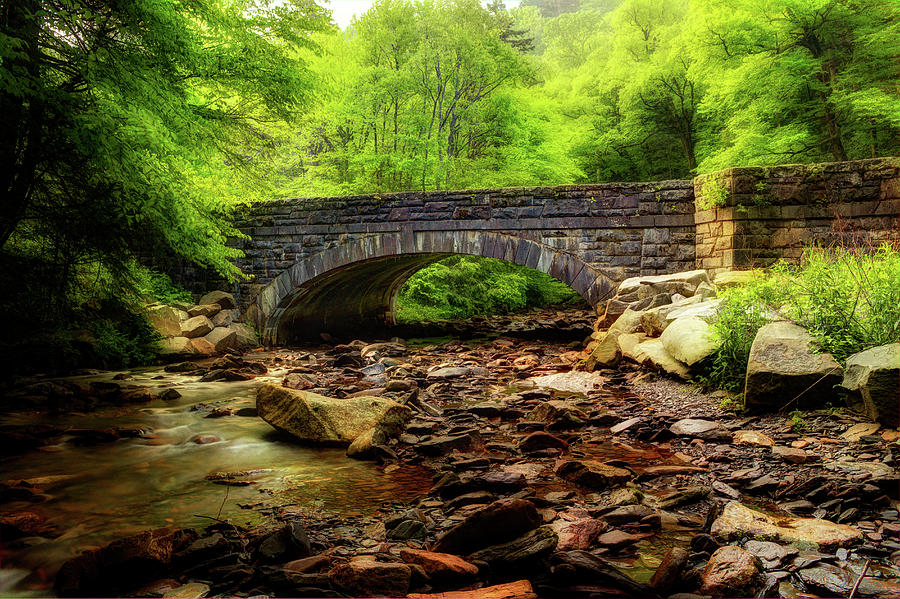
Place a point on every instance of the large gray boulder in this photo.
(873, 376)
(246, 335)
(314, 418)
(225, 300)
(175, 346)
(653, 353)
(690, 339)
(785, 369)
(222, 338)
(678, 282)
(198, 326)
(166, 320)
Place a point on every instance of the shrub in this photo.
(462, 286)
(849, 300)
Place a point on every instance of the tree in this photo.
(803, 80)
(126, 125)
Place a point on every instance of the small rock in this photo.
(669, 570)
(746, 437)
(369, 578)
(731, 572)
(790, 455)
(441, 567)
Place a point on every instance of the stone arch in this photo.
(356, 282)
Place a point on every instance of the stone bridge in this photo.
(336, 264)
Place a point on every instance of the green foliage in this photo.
(157, 286)
(798, 422)
(849, 300)
(713, 194)
(462, 286)
(128, 341)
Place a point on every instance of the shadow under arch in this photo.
(352, 286)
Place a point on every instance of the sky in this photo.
(343, 10)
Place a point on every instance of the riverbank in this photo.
(596, 474)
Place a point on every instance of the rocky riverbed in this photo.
(515, 476)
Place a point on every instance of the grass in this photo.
(463, 286)
(848, 299)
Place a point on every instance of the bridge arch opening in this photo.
(352, 287)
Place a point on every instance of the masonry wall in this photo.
(752, 216)
(623, 229)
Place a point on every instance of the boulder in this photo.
(224, 318)
(198, 326)
(653, 353)
(731, 572)
(738, 520)
(208, 310)
(606, 354)
(654, 321)
(314, 418)
(873, 376)
(222, 338)
(671, 283)
(690, 339)
(175, 346)
(628, 341)
(246, 335)
(166, 320)
(628, 322)
(828, 580)
(498, 522)
(669, 570)
(121, 565)
(223, 299)
(783, 365)
(578, 534)
(200, 345)
(365, 577)
(707, 310)
(525, 549)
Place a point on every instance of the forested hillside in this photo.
(462, 94)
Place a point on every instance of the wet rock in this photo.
(308, 564)
(586, 571)
(407, 529)
(629, 514)
(737, 520)
(669, 570)
(874, 377)
(832, 581)
(624, 425)
(746, 437)
(541, 440)
(783, 364)
(169, 395)
(520, 589)
(442, 445)
(683, 496)
(289, 542)
(121, 565)
(205, 439)
(318, 419)
(708, 430)
(626, 496)
(202, 549)
(859, 430)
(558, 415)
(527, 548)
(592, 474)
(618, 539)
(497, 522)
(770, 554)
(578, 534)
(365, 577)
(191, 590)
(440, 567)
(15, 525)
(223, 299)
(731, 572)
(690, 340)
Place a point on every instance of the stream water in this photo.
(93, 494)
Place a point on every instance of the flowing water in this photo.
(95, 494)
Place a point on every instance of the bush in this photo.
(463, 286)
(849, 300)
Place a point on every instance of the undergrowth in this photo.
(848, 299)
(463, 286)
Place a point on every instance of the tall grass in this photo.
(848, 299)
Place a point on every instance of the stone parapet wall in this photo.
(752, 216)
(622, 229)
